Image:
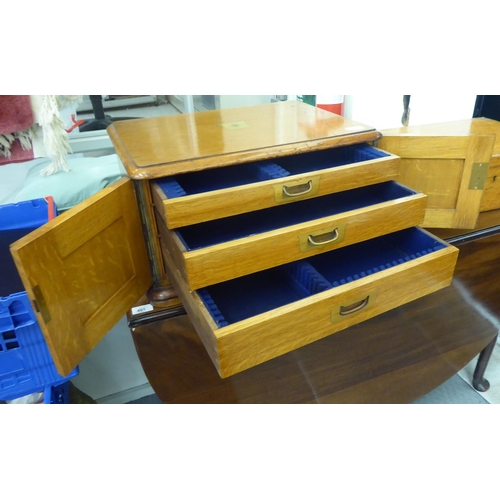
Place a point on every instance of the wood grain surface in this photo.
(162, 146)
(83, 270)
(188, 210)
(244, 344)
(239, 257)
(491, 195)
(438, 160)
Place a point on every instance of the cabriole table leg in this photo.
(478, 381)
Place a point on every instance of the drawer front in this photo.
(222, 250)
(250, 320)
(197, 197)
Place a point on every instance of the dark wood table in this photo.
(396, 357)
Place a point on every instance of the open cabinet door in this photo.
(84, 270)
(449, 163)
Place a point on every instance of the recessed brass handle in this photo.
(291, 190)
(322, 239)
(353, 308)
(299, 190)
(317, 241)
(342, 313)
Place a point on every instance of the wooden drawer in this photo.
(249, 320)
(224, 249)
(195, 197)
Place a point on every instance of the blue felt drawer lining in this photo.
(250, 295)
(218, 231)
(237, 175)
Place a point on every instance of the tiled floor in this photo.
(454, 391)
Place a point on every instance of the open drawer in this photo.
(224, 249)
(186, 199)
(249, 320)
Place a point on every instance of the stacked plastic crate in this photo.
(26, 366)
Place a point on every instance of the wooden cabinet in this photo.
(276, 226)
(454, 163)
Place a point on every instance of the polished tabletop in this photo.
(166, 145)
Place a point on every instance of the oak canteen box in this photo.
(274, 225)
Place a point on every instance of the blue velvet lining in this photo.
(244, 297)
(328, 158)
(247, 173)
(231, 228)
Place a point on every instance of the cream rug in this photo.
(492, 374)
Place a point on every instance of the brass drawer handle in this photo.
(291, 190)
(317, 241)
(353, 308)
(299, 190)
(339, 313)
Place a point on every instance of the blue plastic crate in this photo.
(26, 365)
(56, 394)
(27, 214)
(16, 221)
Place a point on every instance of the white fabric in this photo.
(86, 177)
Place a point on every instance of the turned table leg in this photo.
(478, 381)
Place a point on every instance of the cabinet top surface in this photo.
(162, 146)
(458, 128)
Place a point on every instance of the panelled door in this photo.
(84, 270)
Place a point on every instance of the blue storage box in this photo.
(56, 394)
(26, 365)
(16, 221)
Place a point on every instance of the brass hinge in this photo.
(40, 305)
(478, 175)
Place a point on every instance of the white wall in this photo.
(112, 370)
(234, 101)
(384, 111)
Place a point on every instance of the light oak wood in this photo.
(247, 343)
(438, 159)
(439, 179)
(457, 128)
(485, 221)
(491, 196)
(469, 200)
(232, 259)
(424, 147)
(162, 146)
(189, 210)
(83, 270)
(464, 128)
(439, 218)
